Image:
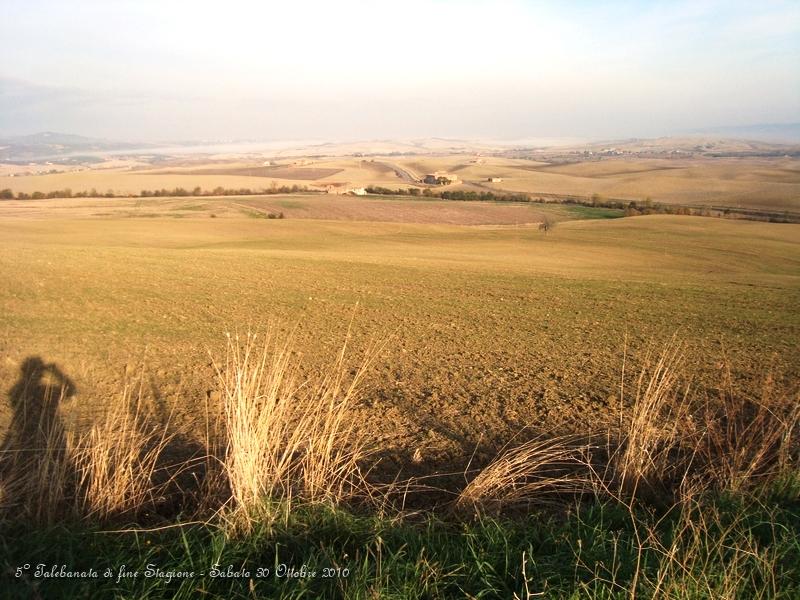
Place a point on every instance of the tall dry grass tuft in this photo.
(639, 455)
(285, 438)
(642, 456)
(116, 461)
(749, 440)
(671, 443)
(667, 446)
(527, 474)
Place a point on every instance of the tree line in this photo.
(630, 208)
(460, 195)
(8, 194)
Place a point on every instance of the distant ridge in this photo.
(781, 133)
(54, 138)
(52, 144)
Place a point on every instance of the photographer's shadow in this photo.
(35, 446)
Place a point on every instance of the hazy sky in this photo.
(337, 70)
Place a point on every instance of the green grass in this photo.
(290, 204)
(589, 552)
(192, 207)
(253, 214)
(589, 212)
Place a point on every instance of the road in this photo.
(403, 173)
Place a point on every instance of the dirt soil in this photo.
(483, 332)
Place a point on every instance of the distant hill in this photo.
(67, 148)
(692, 145)
(50, 144)
(54, 138)
(781, 133)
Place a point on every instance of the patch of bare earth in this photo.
(343, 208)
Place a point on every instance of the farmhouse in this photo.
(440, 178)
(342, 190)
(495, 180)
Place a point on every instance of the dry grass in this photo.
(672, 445)
(286, 438)
(749, 440)
(670, 453)
(532, 472)
(116, 461)
(283, 439)
(278, 439)
(666, 449)
(638, 456)
(643, 456)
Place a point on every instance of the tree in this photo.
(547, 223)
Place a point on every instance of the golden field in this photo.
(486, 324)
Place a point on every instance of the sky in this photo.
(170, 70)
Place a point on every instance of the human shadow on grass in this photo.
(34, 456)
(49, 475)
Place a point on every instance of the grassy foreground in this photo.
(723, 547)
